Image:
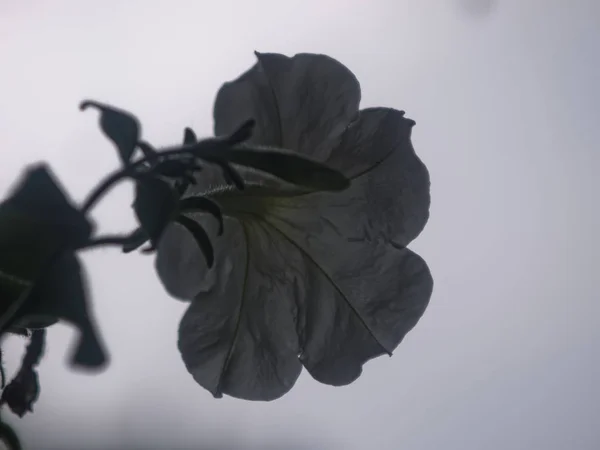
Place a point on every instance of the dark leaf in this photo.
(136, 239)
(61, 293)
(121, 127)
(22, 392)
(202, 204)
(40, 200)
(200, 236)
(155, 205)
(189, 137)
(288, 166)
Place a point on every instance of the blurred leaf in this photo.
(288, 166)
(202, 204)
(120, 126)
(22, 392)
(155, 205)
(61, 293)
(200, 236)
(38, 209)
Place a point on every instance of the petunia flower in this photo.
(302, 278)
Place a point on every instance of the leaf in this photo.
(39, 204)
(155, 205)
(120, 126)
(22, 392)
(202, 204)
(200, 236)
(291, 167)
(61, 293)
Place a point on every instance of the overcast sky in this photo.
(506, 103)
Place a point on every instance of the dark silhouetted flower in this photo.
(41, 278)
(302, 277)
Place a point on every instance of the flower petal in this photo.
(239, 337)
(303, 103)
(61, 293)
(389, 194)
(384, 293)
(370, 139)
(364, 298)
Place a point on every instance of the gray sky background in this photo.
(507, 114)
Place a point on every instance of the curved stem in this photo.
(102, 188)
(203, 149)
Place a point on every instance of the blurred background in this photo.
(505, 95)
